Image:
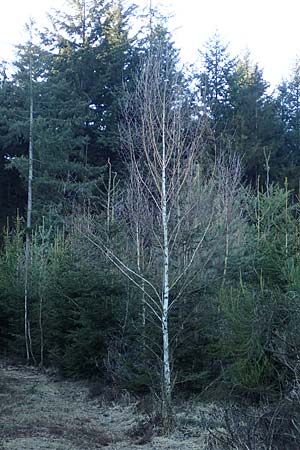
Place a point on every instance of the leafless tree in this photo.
(170, 199)
(27, 333)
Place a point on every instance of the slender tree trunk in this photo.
(167, 411)
(258, 218)
(41, 331)
(286, 216)
(29, 217)
(41, 297)
(108, 194)
(226, 246)
(139, 267)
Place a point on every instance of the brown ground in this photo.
(39, 412)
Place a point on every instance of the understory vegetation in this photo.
(163, 257)
(87, 319)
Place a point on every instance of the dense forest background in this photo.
(112, 113)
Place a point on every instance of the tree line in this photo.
(163, 253)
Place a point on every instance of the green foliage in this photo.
(257, 316)
(11, 291)
(238, 314)
(79, 66)
(214, 81)
(246, 326)
(242, 115)
(87, 323)
(254, 126)
(258, 339)
(288, 111)
(72, 305)
(273, 232)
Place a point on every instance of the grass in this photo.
(37, 413)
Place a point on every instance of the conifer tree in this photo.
(12, 143)
(78, 68)
(254, 128)
(214, 83)
(288, 110)
(95, 56)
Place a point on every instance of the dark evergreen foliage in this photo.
(236, 324)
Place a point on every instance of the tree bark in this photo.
(167, 412)
(29, 214)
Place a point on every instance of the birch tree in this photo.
(29, 205)
(170, 200)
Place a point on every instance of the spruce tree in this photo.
(254, 128)
(288, 110)
(214, 83)
(12, 143)
(95, 55)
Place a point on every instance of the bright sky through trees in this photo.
(269, 29)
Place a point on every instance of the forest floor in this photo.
(39, 411)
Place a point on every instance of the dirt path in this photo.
(38, 412)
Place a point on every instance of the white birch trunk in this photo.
(166, 288)
(28, 221)
(138, 261)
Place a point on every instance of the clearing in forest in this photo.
(38, 411)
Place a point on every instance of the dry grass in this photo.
(38, 412)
